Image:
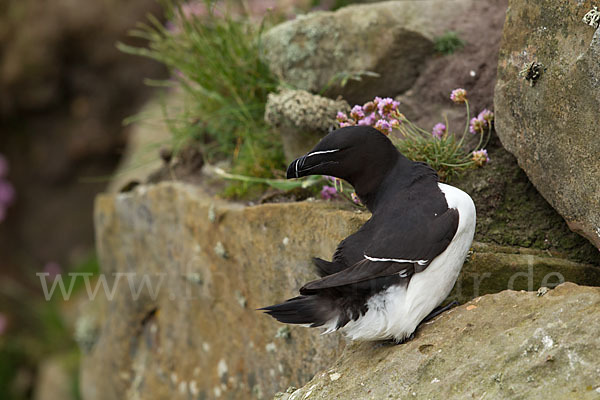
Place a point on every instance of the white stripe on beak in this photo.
(322, 152)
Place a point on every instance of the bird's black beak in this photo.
(312, 163)
(294, 170)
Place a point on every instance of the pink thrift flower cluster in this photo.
(458, 95)
(328, 192)
(480, 157)
(481, 122)
(379, 113)
(7, 191)
(439, 130)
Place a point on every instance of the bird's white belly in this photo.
(396, 312)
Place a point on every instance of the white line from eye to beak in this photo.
(297, 167)
(322, 152)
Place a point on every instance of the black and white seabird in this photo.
(390, 275)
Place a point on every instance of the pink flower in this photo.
(477, 125)
(480, 157)
(341, 117)
(395, 123)
(357, 113)
(486, 115)
(328, 192)
(369, 107)
(53, 269)
(458, 95)
(345, 124)
(387, 106)
(369, 120)
(193, 9)
(438, 130)
(7, 193)
(3, 166)
(383, 126)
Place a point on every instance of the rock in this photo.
(393, 39)
(552, 127)
(302, 118)
(141, 155)
(472, 68)
(56, 378)
(200, 333)
(198, 330)
(492, 268)
(506, 345)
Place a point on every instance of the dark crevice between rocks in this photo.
(144, 332)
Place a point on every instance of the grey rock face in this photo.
(182, 320)
(393, 39)
(510, 345)
(302, 118)
(552, 127)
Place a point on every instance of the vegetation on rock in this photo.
(448, 43)
(440, 149)
(215, 61)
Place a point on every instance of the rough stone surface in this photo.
(392, 39)
(198, 332)
(302, 118)
(201, 334)
(55, 378)
(510, 345)
(141, 155)
(491, 269)
(552, 127)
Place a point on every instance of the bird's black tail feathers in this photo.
(307, 310)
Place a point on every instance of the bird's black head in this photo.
(360, 155)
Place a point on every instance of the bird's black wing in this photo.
(399, 251)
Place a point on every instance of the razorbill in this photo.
(390, 275)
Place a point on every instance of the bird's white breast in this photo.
(396, 312)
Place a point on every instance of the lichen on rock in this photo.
(302, 118)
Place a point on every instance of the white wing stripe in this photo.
(398, 260)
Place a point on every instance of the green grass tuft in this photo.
(215, 61)
(448, 43)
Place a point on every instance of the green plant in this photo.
(442, 150)
(448, 43)
(215, 61)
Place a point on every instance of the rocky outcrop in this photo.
(195, 330)
(302, 118)
(509, 345)
(200, 333)
(551, 124)
(319, 51)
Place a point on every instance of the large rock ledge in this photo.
(510, 345)
(198, 334)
